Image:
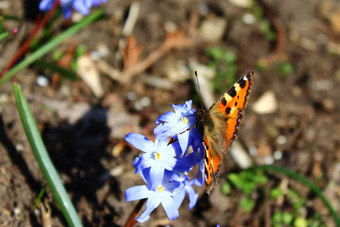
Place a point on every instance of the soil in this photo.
(84, 133)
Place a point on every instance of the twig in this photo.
(173, 40)
(131, 19)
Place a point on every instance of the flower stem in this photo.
(132, 219)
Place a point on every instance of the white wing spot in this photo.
(245, 78)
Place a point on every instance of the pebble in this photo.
(212, 29)
(266, 104)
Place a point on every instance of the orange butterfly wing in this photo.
(221, 124)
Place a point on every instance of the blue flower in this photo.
(82, 6)
(177, 124)
(158, 156)
(187, 189)
(156, 195)
(165, 163)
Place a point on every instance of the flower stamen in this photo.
(157, 155)
(160, 188)
(185, 120)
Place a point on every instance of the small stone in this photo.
(90, 75)
(248, 18)
(42, 81)
(213, 29)
(178, 72)
(277, 155)
(95, 55)
(103, 50)
(269, 160)
(131, 95)
(170, 26)
(17, 211)
(281, 140)
(328, 104)
(240, 156)
(266, 104)
(242, 3)
(145, 101)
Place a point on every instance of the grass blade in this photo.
(3, 35)
(44, 160)
(304, 181)
(58, 69)
(51, 45)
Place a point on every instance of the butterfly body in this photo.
(221, 124)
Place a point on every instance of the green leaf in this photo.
(3, 35)
(226, 188)
(287, 218)
(247, 204)
(1, 19)
(300, 222)
(277, 217)
(56, 68)
(51, 45)
(43, 159)
(286, 68)
(276, 193)
(304, 181)
(80, 50)
(229, 57)
(215, 52)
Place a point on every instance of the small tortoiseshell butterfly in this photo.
(221, 124)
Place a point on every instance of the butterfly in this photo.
(220, 125)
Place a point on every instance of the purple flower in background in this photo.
(82, 6)
(165, 163)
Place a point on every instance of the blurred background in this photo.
(131, 65)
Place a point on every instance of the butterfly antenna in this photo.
(199, 89)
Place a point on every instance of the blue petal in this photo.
(185, 164)
(168, 163)
(140, 142)
(46, 5)
(183, 108)
(136, 193)
(183, 140)
(145, 161)
(179, 197)
(145, 173)
(67, 12)
(156, 176)
(201, 170)
(192, 196)
(97, 2)
(66, 2)
(137, 165)
(151, 204)
(170, 207)
(166, 118)
(82, 6)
